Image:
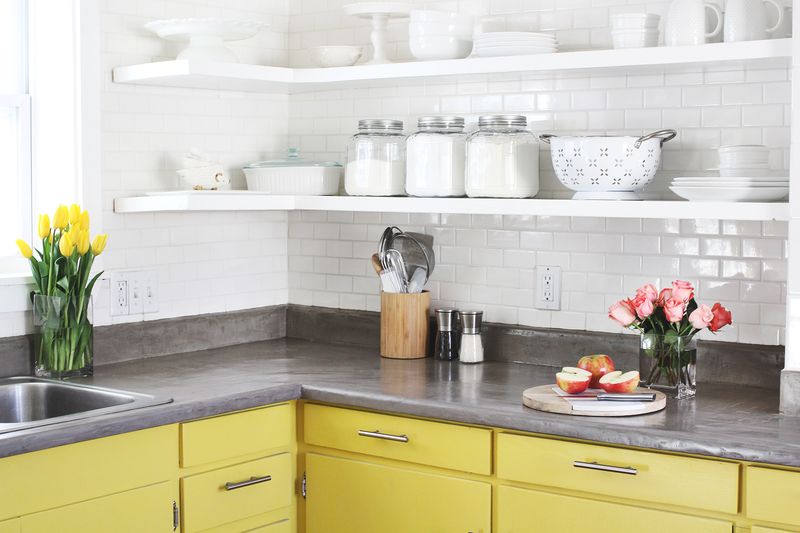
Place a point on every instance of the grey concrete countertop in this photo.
(723, 421)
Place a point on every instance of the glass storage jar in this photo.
(376, 159)
(502, 158)
(435, 157)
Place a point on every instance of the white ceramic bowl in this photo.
(634, 38)
(336, 56)
(743, 156)
(635, 21)
(304, 181)
(440, 28)
(746, 172)
(448, 17)
(431, 48)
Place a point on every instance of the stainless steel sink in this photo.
(27, 402)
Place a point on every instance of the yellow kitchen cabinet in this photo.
(351, 496)
(762, 529)
(9, 526)
(772, 495)
(284, 526)
(148, 509)
(621, 473)
(65, 475)
(531, 511)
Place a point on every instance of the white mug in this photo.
(686, 22)
(746, 20)
(784, 30)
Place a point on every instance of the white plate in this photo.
(731, 194)
(514, 34)
(528, 39)
(735, 184)
(734, 178)
(184, 29)
(206, 193)
(511, 51)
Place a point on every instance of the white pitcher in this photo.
(746, 20)
(686, 22)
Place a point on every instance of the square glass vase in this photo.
(668, 363)
(63, 338)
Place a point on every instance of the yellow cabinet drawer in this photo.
(772, 495)
(762, 529)
(661, 478)
(531, 511)
(230, 436)
(68, 474)
(209, 502)
(347, 496)
(284, 526)
(135, 511)
(9, 526)
(418, 441)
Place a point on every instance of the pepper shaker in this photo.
(446, 346)
(471, 350)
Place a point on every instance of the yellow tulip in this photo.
(65, 245)
(83, 222)
(61, 218)
(74, 214)
(82, 242)
(44, 226)
(24, 249)
(99, 243)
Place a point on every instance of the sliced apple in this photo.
(573, 380)
(618, 382)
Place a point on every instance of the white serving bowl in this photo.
(431, 48)
(743, 156)
(634, 38)
(635, 21)
(336, 55)
(746, 172)
(440, 28)
(448, 17)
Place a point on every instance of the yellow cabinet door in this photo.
(347, 496)
(531, 511)
(762, 529)
(9, 526)
(772, 495)
(135, 511)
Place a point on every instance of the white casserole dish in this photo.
(294, 175)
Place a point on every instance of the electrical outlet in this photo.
(548, 287)
(133, 293)
(119, 295)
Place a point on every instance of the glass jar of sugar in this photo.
(435, 157)
(502, 159)
(376, 159)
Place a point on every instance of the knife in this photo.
(617, 397)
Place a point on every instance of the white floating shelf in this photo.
(254, 78)
(477, 206)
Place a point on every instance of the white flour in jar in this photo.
(435, 165)
(497, 168)
(375, 177)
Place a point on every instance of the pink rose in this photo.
(701, 317)
(648, 291)
(622, 312)
(645, 308)
(682, 290)
(674, 309)
(663, 296)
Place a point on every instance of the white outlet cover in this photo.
(118, 294)
(548, 288)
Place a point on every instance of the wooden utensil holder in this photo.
(404, 325)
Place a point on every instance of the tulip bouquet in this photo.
(62, 292)
(668, 322)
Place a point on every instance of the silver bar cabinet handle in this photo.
(606, 468)
(251, 481)
(385, 436)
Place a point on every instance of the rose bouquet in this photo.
(668, 322)
(62, 292)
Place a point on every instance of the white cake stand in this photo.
(379, 13)
(206, 36)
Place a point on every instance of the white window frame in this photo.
(22, 103)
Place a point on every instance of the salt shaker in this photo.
(471, 345)
(446, 348)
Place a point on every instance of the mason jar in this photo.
(376, 159)
(502, 159)
(436, 156)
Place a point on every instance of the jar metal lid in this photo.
(380, 124)
(449, 121)
(502, 120)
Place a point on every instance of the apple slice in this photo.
(618, 382)
(573, 380)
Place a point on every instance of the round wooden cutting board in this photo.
(543, 398)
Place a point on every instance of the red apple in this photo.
(599, 365)
(573, 380)
(618, 382)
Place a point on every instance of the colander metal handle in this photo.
(664, 135)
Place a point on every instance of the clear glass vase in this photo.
(668, 363)
(63, 338)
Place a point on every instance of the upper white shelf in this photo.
(478, 206)
(255, 78)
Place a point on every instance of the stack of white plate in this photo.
(514, 43)
(739, 189)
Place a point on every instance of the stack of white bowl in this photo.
(744, 177)
(634, 30)
(440, 35)
(514, 43)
